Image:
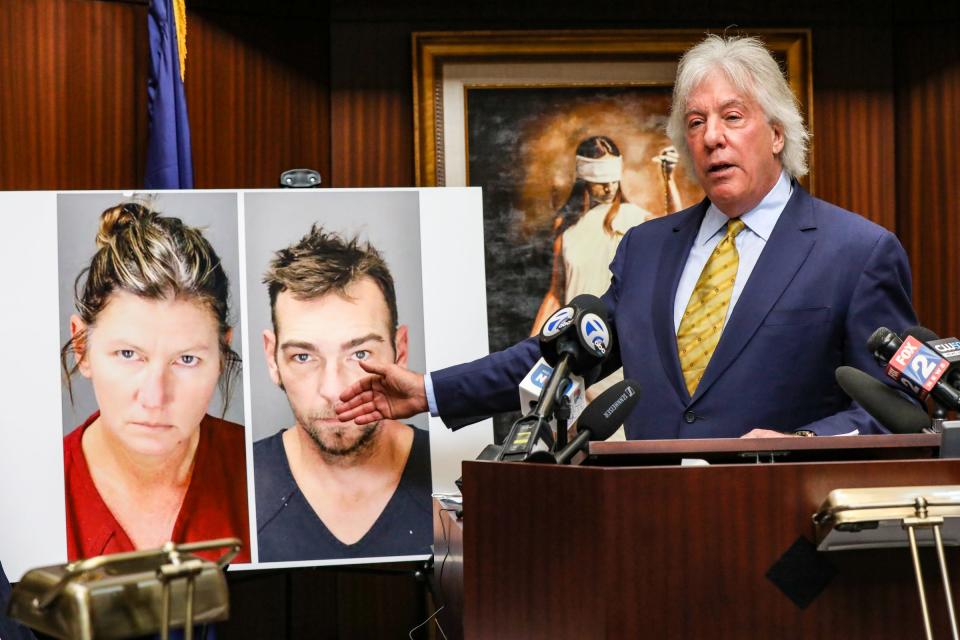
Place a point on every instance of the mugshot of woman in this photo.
(589, 226)
(151, 334)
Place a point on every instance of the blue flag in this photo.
(169, 165)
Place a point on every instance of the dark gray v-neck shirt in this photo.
(289, 529)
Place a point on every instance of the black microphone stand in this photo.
(533, 428)
(561, 412)
(938, 418)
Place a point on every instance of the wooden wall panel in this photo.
(72, 111)
(372, 105)
(853, 145)
(928, 169)
(316, 603)
(257, 93)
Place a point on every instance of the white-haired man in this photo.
(732, 314)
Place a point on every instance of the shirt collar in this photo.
(760, 220)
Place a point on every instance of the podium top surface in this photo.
(751, 450)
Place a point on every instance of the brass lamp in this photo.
(127, 594)
(883, 517)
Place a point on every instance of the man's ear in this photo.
(270, 353)
(400, 345)
(777, 137)
(78, 335)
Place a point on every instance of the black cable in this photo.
(446, 542)
(431, 617)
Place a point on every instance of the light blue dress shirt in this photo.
(750, 242)
(431, 397)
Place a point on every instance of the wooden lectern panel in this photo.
(448, 569)
(679, 552)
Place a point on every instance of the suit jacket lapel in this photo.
(672, 260)
(786, 250)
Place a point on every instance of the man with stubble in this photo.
(328, 489)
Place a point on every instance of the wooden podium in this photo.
(632, 545)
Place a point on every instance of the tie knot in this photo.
(734, 227)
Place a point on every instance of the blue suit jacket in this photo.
(9, 630)
(826, 279)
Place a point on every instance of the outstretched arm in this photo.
(391, 392)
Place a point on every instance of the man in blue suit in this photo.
(732, 314)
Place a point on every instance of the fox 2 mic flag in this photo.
(169, 165)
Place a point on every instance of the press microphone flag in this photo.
(914, 365)
(946, 348)
(579, 331)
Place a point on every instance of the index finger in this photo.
(352, 393)
(362, 414)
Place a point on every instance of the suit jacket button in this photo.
(689, 417)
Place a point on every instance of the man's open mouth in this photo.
(719, 167)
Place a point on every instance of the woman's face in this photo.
(602, 192)
(154, 365)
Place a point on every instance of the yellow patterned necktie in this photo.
(702, 321)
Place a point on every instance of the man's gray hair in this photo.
(748, 65)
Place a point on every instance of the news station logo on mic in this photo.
(556, 323)
(948, 348)
(626, 395)
(541, 374)
(595, 332)
(917, 366)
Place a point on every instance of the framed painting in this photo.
(516, 112)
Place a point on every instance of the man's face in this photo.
(316, 354)
(602, 192)
(154, 365)
(733, 146)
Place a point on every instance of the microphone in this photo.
(536, 380)
(914, 365)
(574, 341)
(890, 409)
(579, 332)
(946, 348)
(951, 377)
(602, 417)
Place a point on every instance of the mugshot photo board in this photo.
(142, 317)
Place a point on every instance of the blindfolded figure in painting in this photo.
(589, 226)
(151, 333)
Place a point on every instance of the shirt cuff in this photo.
(431, 398)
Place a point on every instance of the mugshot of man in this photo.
(327, 489)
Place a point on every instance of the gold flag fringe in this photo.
(180, 17)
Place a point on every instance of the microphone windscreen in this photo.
(607, 412)
(877, 338)
(589, 304)
(920, 333)
(892, 410)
